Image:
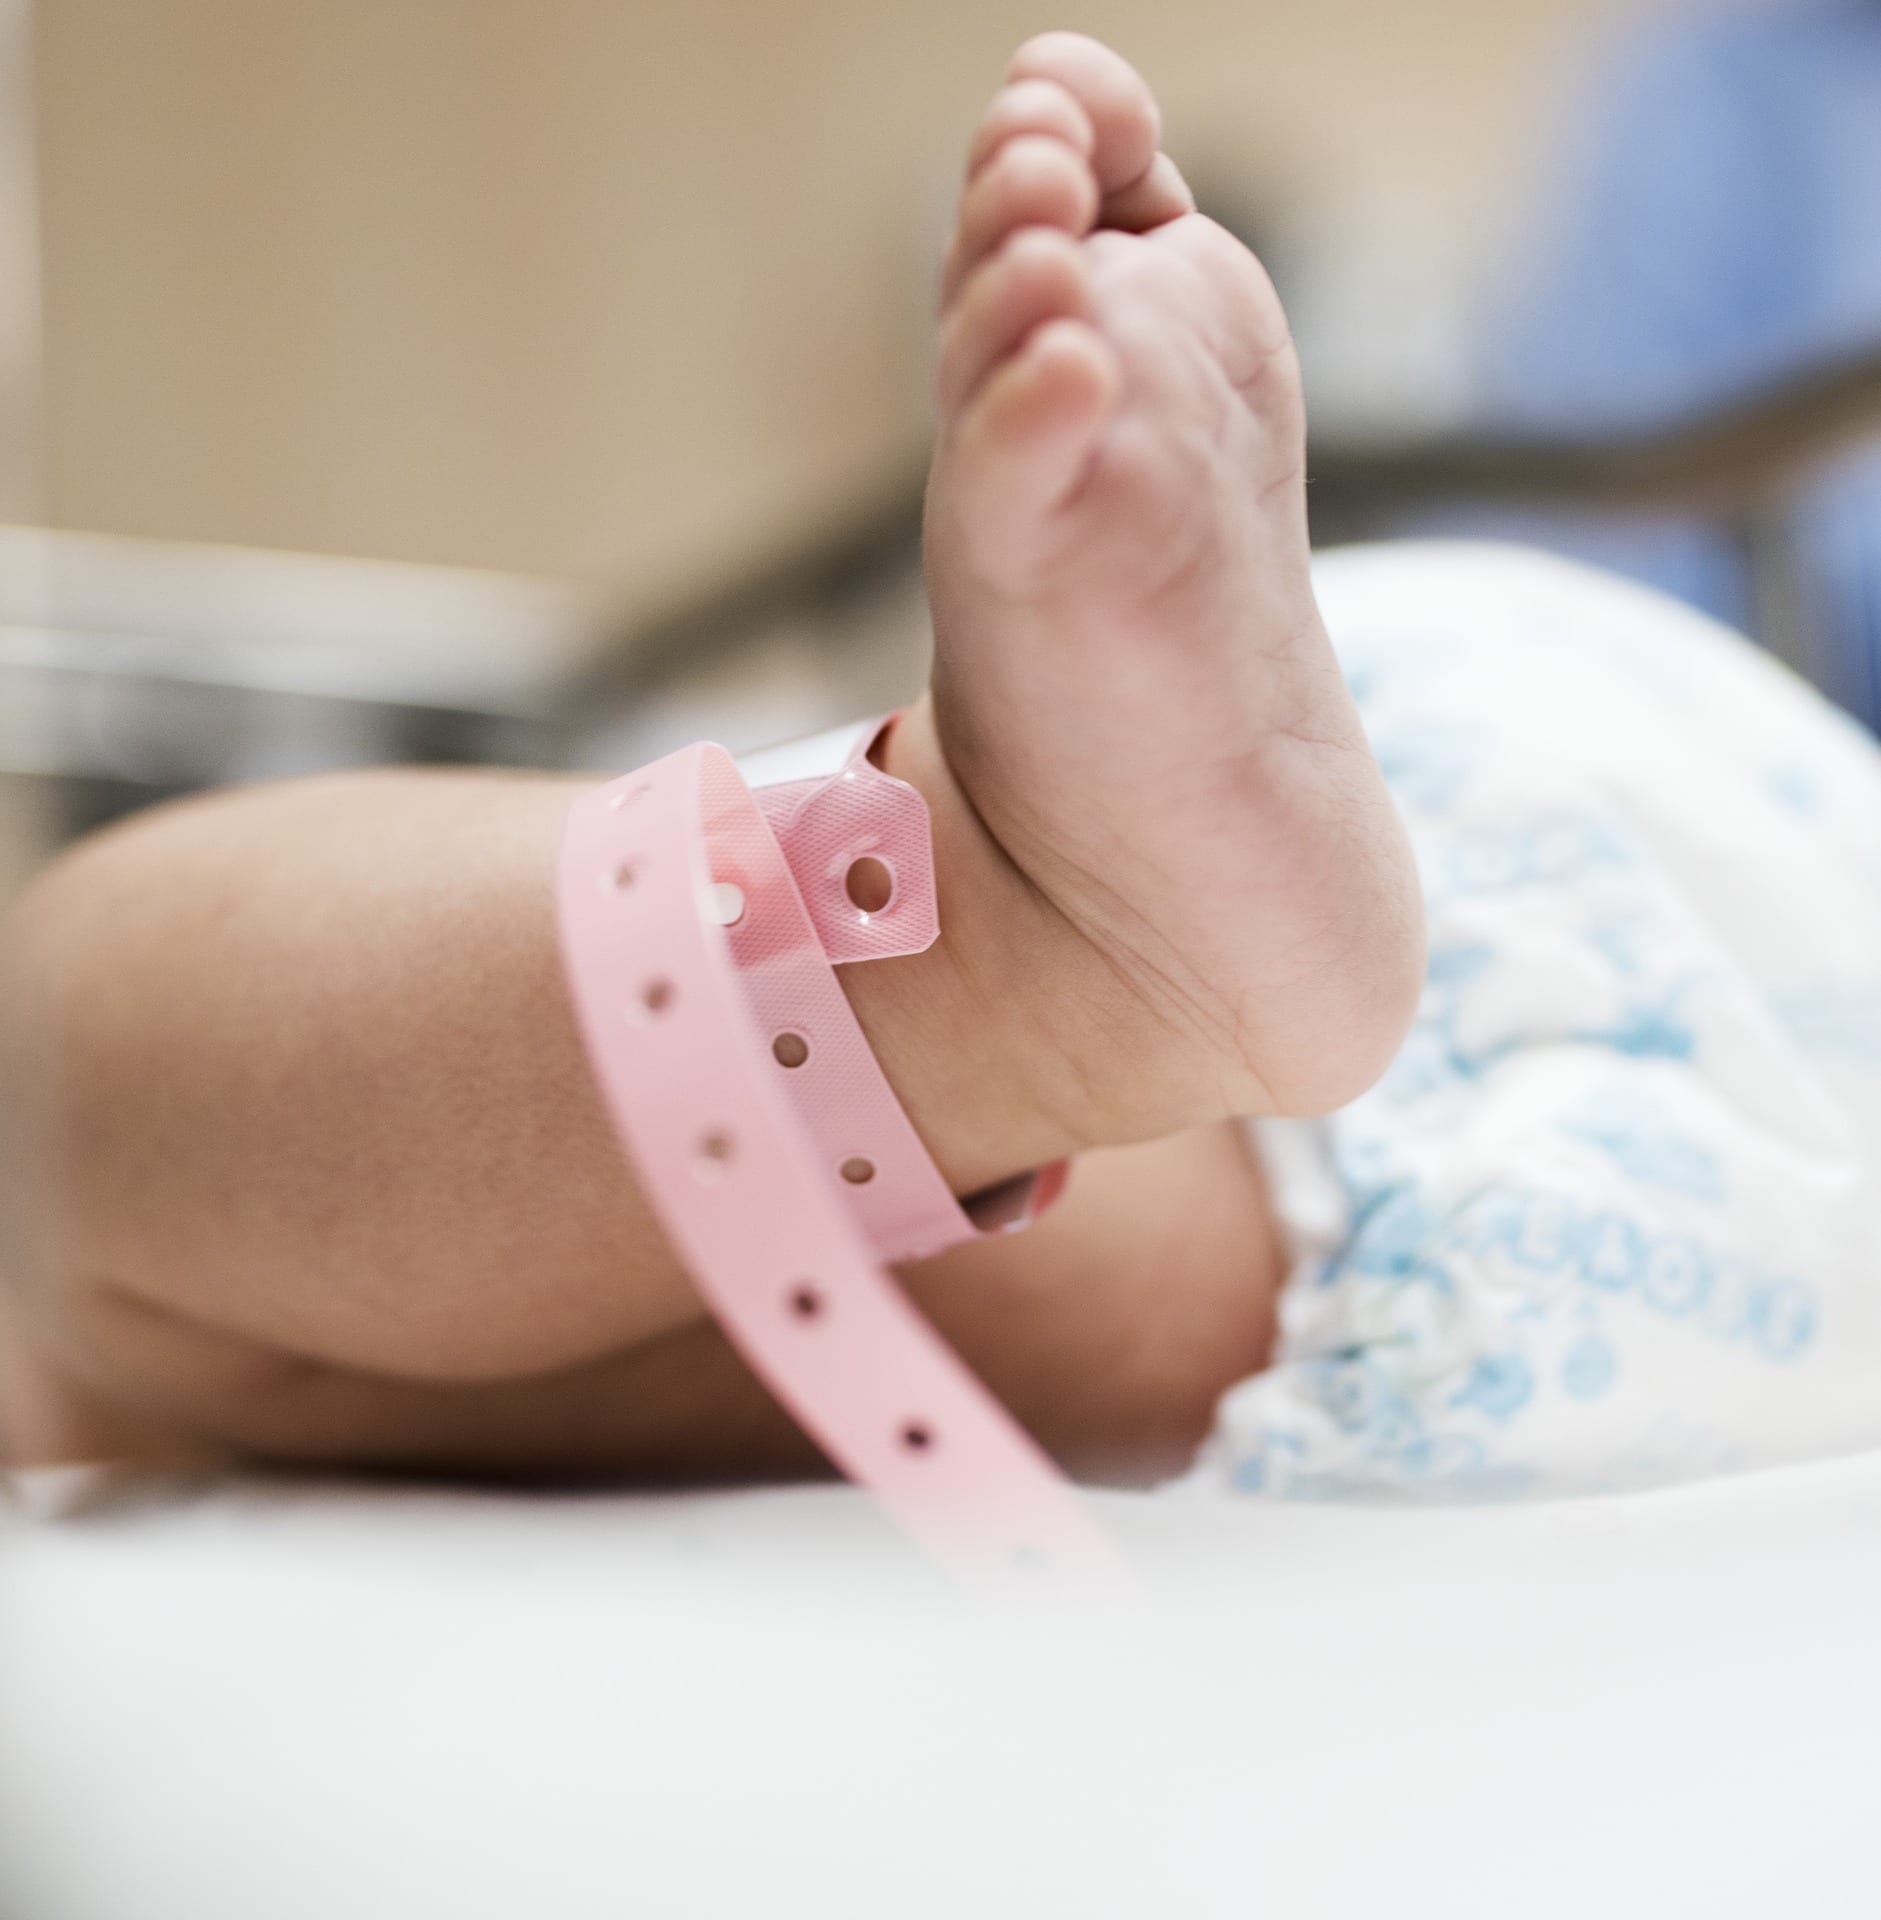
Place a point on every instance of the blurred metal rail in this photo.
(1738, 466)
(1722, 463)
(163, 667)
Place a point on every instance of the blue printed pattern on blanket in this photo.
(1561, 1266)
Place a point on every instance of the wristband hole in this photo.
(869, 884)
(714, 1156)
(916, 1437)
(805, 1301)
(724, 903)
(656, 997)
(624, 875)
(790, 1049)
(857, 1171)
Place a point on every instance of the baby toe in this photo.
(1028, 434)
(1033, 180)
(1125, 120)
(1030, 106)
(1039, 274)
(1159, 196)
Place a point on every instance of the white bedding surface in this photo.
(275, 1701)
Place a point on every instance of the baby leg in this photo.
(296, 1077)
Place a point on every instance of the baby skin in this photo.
(306, 1161)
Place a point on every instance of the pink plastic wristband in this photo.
(825, 823)
(701, 972)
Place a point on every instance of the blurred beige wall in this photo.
(19, 274)
(612, 289)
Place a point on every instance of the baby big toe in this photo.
(1160, 195)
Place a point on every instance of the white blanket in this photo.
(1613, 1218)
(269, 1702)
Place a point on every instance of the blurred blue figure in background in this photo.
(1723, 231)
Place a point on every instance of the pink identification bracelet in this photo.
(701, 924)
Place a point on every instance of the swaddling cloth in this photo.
(1614, 1215)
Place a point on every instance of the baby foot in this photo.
(1132, 685)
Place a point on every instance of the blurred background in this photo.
(546, 380)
